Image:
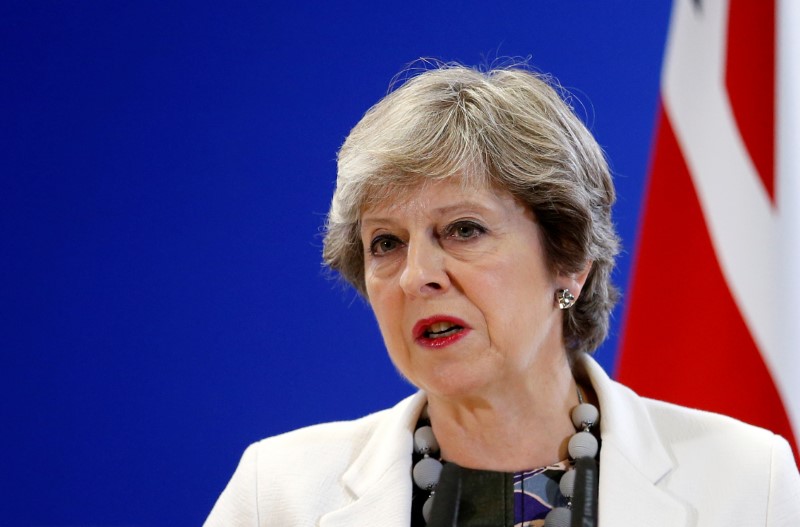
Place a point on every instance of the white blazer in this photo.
(661, 465)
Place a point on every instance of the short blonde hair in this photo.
(507, 128)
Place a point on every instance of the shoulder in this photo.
(632, 419)
(722, 469)
(719, 457)
(295, 477)
(339, 443)
(330, 444)
(269, 479)
(679, 424)
(702, 439)
(715, 468)
(710, 441)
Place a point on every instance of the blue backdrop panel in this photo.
(164, 174)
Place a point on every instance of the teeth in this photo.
(439, 327)
(442, 329)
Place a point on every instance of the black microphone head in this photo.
(447, 497)
(584, 496)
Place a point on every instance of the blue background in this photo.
(165, 168)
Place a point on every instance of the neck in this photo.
(514, 428)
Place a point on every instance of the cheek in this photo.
(510, 293)
(374, 284)
(507, 280)
(384, 306)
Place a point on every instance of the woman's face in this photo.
(459, 283)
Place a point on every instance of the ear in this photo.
(574, 281)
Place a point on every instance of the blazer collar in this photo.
(379, 479)
(633, 458)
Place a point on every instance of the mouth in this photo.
(439, 331)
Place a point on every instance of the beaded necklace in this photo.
(428, 466)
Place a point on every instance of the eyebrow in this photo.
(462, 205)
(467, 204)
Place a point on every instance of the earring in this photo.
(564, 298)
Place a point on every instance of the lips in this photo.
(439, 331)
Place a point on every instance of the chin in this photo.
(453, 383)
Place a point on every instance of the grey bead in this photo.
(424, 440)
(426, 473)
(426, 508)
(567, 483)
(582, 444)
(584, 415)
(559, 517)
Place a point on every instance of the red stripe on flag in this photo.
(750, 82)
(685, 340)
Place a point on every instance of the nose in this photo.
(424, 273)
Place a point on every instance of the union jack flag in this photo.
(713, 314)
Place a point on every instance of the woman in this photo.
(473, 211)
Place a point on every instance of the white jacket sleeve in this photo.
(237, 506)
(784, 492)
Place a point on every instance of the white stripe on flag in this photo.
(787, 357)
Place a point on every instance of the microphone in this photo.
(585, 493)
(467, 497)
(447, 497)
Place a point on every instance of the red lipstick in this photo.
(439, 331)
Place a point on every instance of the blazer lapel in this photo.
(633, 459)
(380, 477)
(629, 497)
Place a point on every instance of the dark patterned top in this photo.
(536, 492)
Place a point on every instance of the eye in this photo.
(464, 230)
(384, 244)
